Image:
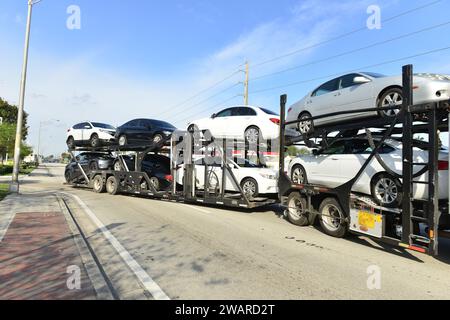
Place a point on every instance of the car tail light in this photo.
(275, 120)
(442, 165)
(168, 177)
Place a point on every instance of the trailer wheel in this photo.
(112, 185)
(296, 211)
(332, 218)
(98, 184)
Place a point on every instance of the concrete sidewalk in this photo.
(42, 255)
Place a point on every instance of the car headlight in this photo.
(268, 176)
(167, 133)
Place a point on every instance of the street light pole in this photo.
(14, 187)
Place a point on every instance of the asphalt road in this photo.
(195, 252)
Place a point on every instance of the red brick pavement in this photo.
(34, 256)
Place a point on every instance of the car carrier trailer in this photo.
(415, 226)
(181, 151)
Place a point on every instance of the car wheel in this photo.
(94, 141)
(67, 176)
(306, 126)
(144, 185)
(71, 143)
(298, 175)
(296, 211)
(250, 187)
(123, 141)
(332, 218)
(252, 135)
(155, 183)
(93, 166)
(117, 166)
(391, 98)
(112, 185)
(157, 138)
(98, 184)
(387, 191)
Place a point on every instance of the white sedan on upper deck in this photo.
(364, 90)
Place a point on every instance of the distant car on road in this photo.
(143, 131)
(89, 162)
(253, 179)
(93, 134)
(241, 122)
(156, 166)
(341, 161)
(364, 90)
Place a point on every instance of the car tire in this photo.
(94, 141)
(250, 187)
(117, 166)
(332, 218)
(298, 175)
(305, 127)
(112, 185)
(155, 183)
(386, 191)
(157, 138)
(98, 185)
(390, 98)
(252, 135)
(67, 176)
(93, 166)
(71, 143)
(296, 211)
(123, 141)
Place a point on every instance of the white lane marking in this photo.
(4, 229)
(197, 208)
(144, 278)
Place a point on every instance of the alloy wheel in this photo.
(393, 99)
(386, 191)
(252, 135)
(298, 176)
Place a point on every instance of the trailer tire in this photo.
(112, 185)
(332, 218)
(98, 184)
(296, 212)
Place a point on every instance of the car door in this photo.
(146, 130)
(244, 118)
(87, 131)
(325, 167)
(322, 100)
(77, 132)
(220, 125)
(132, 130)
(352, 95)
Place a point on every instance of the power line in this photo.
(202, 91)
(344, 35)
(213, 96)
(205, 110)
(353, 51)
(353, 70)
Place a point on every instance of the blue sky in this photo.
(141, 58)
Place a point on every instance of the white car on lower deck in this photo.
(364, 90)
(341, 161)
(253, 179)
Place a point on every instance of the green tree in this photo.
(25, 151)
(9, 114)
(7, 138)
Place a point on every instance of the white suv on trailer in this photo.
(93, 134)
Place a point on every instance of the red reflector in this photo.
(168, 177)
(417, 249)
(275, 120)
(442, 165)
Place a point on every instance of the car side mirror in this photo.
(315, 152)
(214, 116)
(361, 80)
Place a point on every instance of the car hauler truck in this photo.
(418, 224)
(415, 226)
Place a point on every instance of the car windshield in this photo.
(162, 124)
(244, 163)
(374, 75)
(102, 125)
(269, 112)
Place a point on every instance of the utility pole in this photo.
(14, 186)
(41, 124)
(246, 83)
